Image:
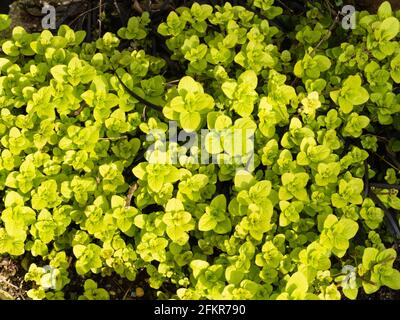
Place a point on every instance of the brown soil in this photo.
(13, 286)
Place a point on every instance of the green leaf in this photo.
(201, 12)
(190, 121)
(260, 190)
(323, 62)
(207, 222)
(358, 96)
(223, 227)
(243, 180)
(298, 282)
(335, 95)
(348, 228)
(219, 202)
(387, 256)
(204, 103)
(189, 85)
(385, 10)
(198, 266)
(249, 79)
(243, 107)
(392, 280)
(174, 205)
(369, 287)
(298, 69)
(13, 199)
(233, 276)
(369, 257)
(389, 29)
(229, 88)
(155, 183)
(59, 72)
(395, 76)
(351, 293)
(4, 63)
(79, 250)
(10, 49)
(5, 22)
(222, 122)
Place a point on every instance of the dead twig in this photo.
(86, 12)
(20, 291)
(119, 11)
(137, 7)
(100, 16)
(8, 283)
(126, 293)
(77, 112)
(129, 196)
(144, 114)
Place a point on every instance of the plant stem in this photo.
(387, 162)
(367, 281)
(366, 180)
(140, 99)
(385, 186)
(285, 6)
(326, 37)
(114, 139)
(393, 226)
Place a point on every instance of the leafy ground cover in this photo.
(100, 201)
